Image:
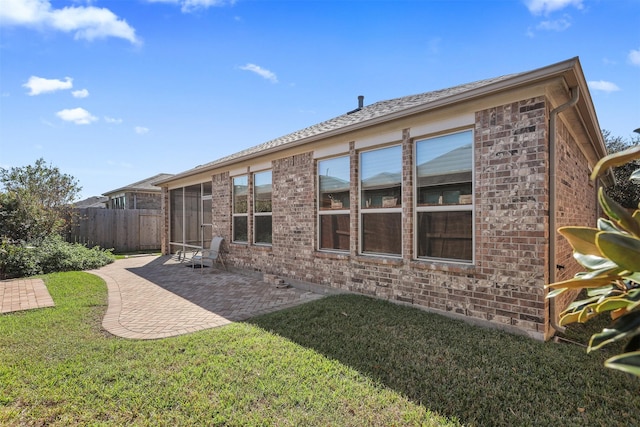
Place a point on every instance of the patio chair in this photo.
(214, 254)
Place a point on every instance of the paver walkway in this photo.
(23, 294)
(156, 297)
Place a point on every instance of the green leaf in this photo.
(555, 292)
(579, 305)
(626, 362)
(605, 290)
(607, 225)
(581, 239)
(569, 318)
(593, 262)
(615, 159)
(578, 283)
(633, 276)
(610, 272)
(621, 328)
(587, 313)
(621, 249)
(618, 213)
(612, 304)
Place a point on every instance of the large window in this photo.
(240, 208)
(333, 203)
(262, 208)
(444, 197)
(381, 201)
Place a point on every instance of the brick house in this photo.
(446, 200)
(139, 195)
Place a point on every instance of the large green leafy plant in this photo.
(611, 255)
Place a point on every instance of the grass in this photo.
(340, 361)
(482, 377)
(58, 367)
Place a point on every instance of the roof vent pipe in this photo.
(360, 105)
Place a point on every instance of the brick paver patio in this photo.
(156, 297)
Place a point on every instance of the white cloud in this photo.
(261, 72)
(141, 130)
(86, 22)
(556, 25)
(192, 5)
(112, 120)
(79, 116)
(603, 86)
(38, 85)
(544, 7)
(634, 57)
(82, 93)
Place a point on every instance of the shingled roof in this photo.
(360, 115)
(145, 185)
(405, 106)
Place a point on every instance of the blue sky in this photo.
(112, 92)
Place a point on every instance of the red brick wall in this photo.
(576, 204)
(512, 204)
(294, 219)
(505, 285)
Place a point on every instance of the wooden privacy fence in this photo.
(124, 230)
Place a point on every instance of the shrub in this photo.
(54, 254)
(51, 254)
(611, 255)
(17, 260)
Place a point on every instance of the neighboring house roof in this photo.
(91, 202)
(145, 185)
(384, 111)
(331, 183)
(382, 180)
(449, 168)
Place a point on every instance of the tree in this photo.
(35, 201)
(625, 192)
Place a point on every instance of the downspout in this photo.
(575, 95)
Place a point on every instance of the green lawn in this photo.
(343, 360)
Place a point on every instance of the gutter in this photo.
(575, 95)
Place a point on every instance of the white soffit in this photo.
(454, 123)
(331, 150)
(238, 171)
(373, 141)
(259, 167)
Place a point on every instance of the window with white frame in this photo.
(262, 221)
(333, 203)
(381, 201)
(444, 197)
(240, 209)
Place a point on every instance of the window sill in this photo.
(263, 246)
(342, 256)
(456, 267)
(380, 259)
